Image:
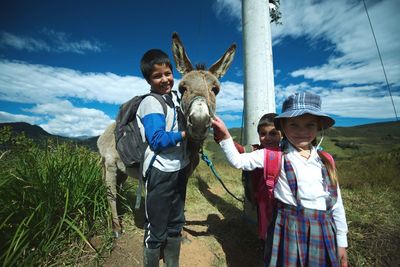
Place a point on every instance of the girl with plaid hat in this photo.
(309, 226)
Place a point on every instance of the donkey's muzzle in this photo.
(199, 119)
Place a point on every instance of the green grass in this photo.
(370, 186)
(52, 201)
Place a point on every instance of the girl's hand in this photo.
(220, 130)
(342, 256)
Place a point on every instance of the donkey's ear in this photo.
(182, 62)
(220, 67)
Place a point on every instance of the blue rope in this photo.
(211, 165)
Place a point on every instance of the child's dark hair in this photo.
(152, 57)
(266, 119)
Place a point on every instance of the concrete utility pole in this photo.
(259, 91)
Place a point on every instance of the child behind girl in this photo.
(309, 225)
(255, 187)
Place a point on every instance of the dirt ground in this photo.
(128, 252)
(199, 249)
(222, 236)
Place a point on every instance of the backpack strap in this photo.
(272, 167)
(160, 99)
(328, 156)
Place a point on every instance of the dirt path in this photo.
(128, 252)
(215, 234)
(213, 241)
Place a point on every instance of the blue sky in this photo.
(68, 65)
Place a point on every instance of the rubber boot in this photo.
(151, 257)
(171, 251)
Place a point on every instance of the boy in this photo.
(164, 162)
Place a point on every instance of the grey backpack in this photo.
(128, 140)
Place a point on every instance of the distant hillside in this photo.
(31, 131)
(343, 142)
(37, 134)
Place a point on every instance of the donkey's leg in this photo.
(111, 183)
(121, 179)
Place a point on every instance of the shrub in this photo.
(50, 198)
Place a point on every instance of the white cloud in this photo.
(62, 43)
(350, 102)
(354, 101)
(357, 83)
(230, 98)
(48, 88)
(22, 43)
(22, 82)
(67, 120)
(8, 117)
(345, 25)
(230, 117)
(228, 9)
(50, 41)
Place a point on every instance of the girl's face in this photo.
(269, 136)
(302, 130)
(161, 79)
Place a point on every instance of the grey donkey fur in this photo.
(198, 88)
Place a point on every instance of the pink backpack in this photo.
(272, 168)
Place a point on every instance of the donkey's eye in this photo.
(182, 89)
(215, 90)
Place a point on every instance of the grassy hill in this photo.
(343, 142)
(40, 136)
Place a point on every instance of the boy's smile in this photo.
(269, 136)
(161, 79)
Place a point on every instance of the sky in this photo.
(68, 65)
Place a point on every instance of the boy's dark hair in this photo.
(266, 119)
(152, 57)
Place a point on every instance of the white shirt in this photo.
(308, 172)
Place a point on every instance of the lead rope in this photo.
(211, 165)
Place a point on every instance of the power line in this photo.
(380, 57)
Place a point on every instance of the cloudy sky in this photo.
(67, 65)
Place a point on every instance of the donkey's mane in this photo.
(201, 66)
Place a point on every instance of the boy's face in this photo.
(161, 79)
(269, 136)
(302, 130)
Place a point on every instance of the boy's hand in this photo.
(342, 256)
(220, 130)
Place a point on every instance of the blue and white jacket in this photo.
(163, 136)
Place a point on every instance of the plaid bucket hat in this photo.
(303, 103)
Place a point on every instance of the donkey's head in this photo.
(199, 88)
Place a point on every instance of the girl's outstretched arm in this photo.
(220, 130)
(342, 256)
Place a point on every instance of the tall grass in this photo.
(370, 188)
(52, 200)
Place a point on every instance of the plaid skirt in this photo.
(301, 237)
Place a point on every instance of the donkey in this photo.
(198, 89)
